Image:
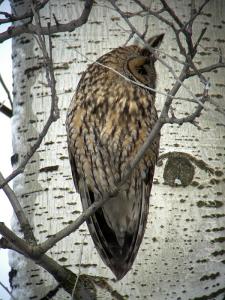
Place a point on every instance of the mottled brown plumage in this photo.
(108, 120)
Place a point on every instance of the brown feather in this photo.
(108, 121)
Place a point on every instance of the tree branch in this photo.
(7, 290)
(6, 90)
(194, 15)
(191, 118)
(18, 210)
(33, 29)
(206, 69)
(171, 13)
(29, 14)
(54, 111)
(5, 110)
(64, 277)
(16, 241)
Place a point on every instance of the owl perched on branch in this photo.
(108, 120)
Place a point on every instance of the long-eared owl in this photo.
(109, 118)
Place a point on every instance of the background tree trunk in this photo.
(182, 255)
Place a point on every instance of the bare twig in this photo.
(54, 111)
(171, 13)
(30, 153)
(78, 274)
(18, 210)
(5, 110)
(33, 29)
(6, 90)
(191, 118)
(156, 14)
(29, 14)
(7, 290)
(195, 14)
(206, 69)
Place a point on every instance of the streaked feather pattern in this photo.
(108, 120)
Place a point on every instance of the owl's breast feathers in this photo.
(108, 121)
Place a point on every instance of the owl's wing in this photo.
(119, 258)
(74, 170)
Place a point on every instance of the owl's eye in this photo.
(138, 67)
(142, 70)
(179, 169)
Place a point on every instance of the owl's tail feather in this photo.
(118, 254)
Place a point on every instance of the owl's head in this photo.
(140, 66)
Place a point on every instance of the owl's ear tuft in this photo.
(154, 42)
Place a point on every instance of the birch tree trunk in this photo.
(182, 255)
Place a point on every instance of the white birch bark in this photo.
(182, 255)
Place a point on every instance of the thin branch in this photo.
(177, 32)
(155, 14)
(54, 111)
(6, 111)
(78, 274)
(14, 31)
(48, 63)
(191, 118)
(196, 100)
(7, 290)
(18, 210)
(171, 13)
(206, 69)
(203, 31)
(193, 50)
(29, 14)
(30, 153)
(195, 15)
(103, 284)
(6, 90)
(193, 9)
(16, 241)
(146, 27)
